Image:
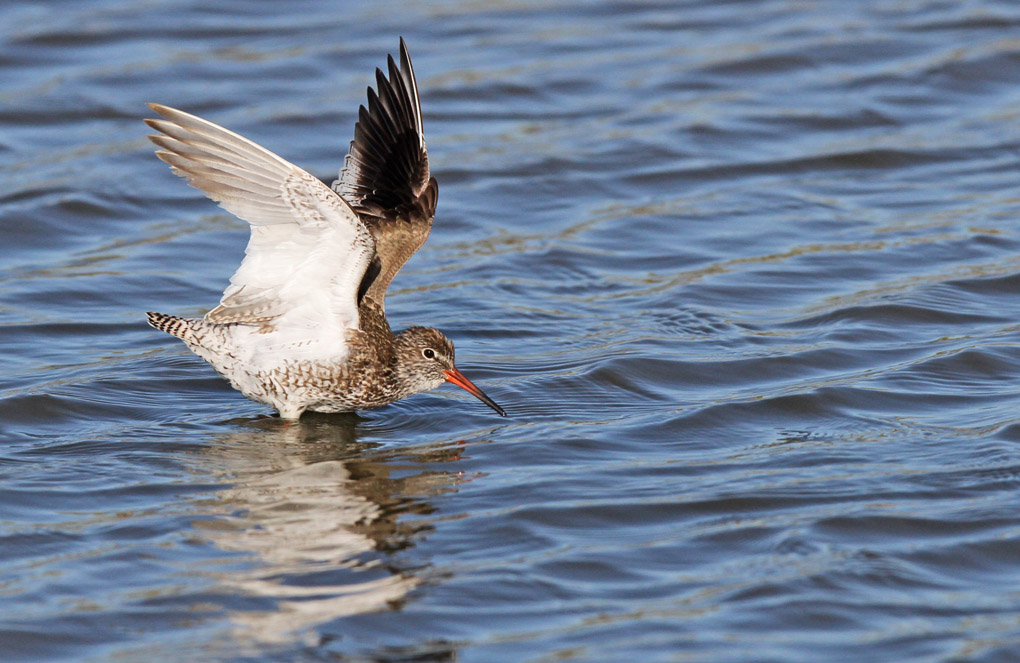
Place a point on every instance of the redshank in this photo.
(302, 325)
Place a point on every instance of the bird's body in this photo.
(302, 325)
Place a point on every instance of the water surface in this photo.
(744, 274)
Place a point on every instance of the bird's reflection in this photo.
(318, 512)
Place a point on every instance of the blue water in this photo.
(746, 276)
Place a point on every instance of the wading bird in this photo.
(302, 325)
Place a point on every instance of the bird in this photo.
(302, 325)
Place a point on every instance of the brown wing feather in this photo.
(386, 174)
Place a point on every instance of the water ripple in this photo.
(744, 278)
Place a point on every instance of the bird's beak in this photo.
(457, 378)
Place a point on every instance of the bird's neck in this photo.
(385, 348)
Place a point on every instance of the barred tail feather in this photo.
(171, 324)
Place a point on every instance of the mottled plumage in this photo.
(302, 325)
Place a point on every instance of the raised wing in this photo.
(308, 250)
(386, 177)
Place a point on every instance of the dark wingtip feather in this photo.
(387, 166)
(386, 177)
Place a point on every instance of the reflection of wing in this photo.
(386, 174)
(308, 250)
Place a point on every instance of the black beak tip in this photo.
(491, 403)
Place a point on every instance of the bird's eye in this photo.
(428, 353)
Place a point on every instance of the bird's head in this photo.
(425, 361)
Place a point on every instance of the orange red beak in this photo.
(457, 378)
